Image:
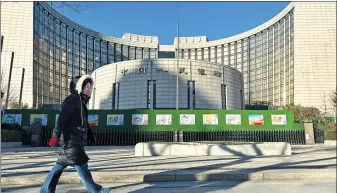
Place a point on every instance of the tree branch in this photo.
(13, 93)
(77, 7)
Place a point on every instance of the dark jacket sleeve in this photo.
(67, 108)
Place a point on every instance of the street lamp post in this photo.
(177, 89)
(21, 87)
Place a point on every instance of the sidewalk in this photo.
(118, 164)
(283, 186)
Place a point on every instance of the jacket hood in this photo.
(72, 86)
(80, 82)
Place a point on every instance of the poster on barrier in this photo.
(117, 119)
(256, 119)
(93, 120)
(278, 119)
(232, 119)
(43, 117)
(140, 119)
(163, 119)
(210, 119)
(12, 118)
(187, 119)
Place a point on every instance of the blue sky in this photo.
(216, 20)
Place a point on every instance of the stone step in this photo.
(174, 175)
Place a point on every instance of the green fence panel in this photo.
(199, 125)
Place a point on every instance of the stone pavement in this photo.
(29, 166)
(283, 186)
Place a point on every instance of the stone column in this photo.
(309, 133)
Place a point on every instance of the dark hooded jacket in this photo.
(73, 127)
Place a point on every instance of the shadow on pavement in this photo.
(240, 179)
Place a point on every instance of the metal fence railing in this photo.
(289, 136)
(319, 135)
(45, 137)
(119, 138)
(125, 138)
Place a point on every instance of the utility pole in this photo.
(177, 89)
(2, 93)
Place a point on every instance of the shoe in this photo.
(105, 190)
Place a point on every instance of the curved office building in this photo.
(151, 84)
(289, 59)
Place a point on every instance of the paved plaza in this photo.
(283, 186)
(24, 169)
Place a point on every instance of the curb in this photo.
(11, 145)
(170, 176)
(41, 149)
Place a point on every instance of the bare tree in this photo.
(16, 105)
(77, 7)
(334, 99)
(13, 93)
(303, 114)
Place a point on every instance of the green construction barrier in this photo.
(175, 115)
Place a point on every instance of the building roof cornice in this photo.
(243, 35)
(93, 33)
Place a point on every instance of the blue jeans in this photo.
(54, 175)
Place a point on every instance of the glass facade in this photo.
(266, 60)
(62, 51)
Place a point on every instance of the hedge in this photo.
(11, 136)
(14, 127)
(330, 134)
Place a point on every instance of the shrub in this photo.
(329, 126)
(11, 136)
(330, 134)
(13, 127)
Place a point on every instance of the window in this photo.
(213, 54)
(83, 56)
(224, 96)
(114, 95)
(90, 54)
(139, 53)
(146, 53)
(206, 54)
(125, 54)
(185, 54)
(153, 53)
(118, 53)
(190, 85)
(154, 93)
(219, 55)
(151, 94)
(200, 54)
(132, 53)
(97, 53)
(148, 105)
(180, 54)
(192, 52)
(104, 53)
(111, 52)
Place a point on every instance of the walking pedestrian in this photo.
(71, 133)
